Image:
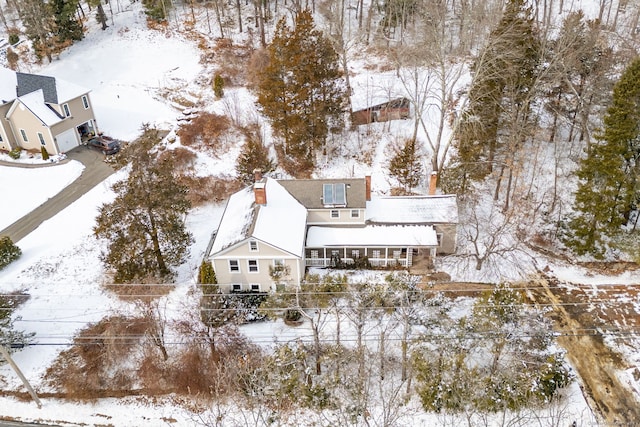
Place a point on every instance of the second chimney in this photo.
(367, 189)
(433, 181)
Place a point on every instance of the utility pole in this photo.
(17, 370)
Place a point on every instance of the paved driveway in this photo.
(95, 171)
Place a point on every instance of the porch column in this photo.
(386, 256)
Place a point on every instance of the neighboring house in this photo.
(271, 231)
(44, 111)
(395, 109)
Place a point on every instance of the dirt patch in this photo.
(580, 320)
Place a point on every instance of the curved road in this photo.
(95, 171)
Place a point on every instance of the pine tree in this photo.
(302, 91)
(406, 165)
(609, 189)
(254, 155)
(69, 29)
(498, 116)
(144, 226)
(206, 274)
(40, 27)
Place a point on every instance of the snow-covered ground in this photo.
(128, 69)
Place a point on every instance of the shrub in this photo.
(218, 86)
(9, 252)
(204, 130)
(14, 38)
(45, 153)
(206, 274)
(12, 59)
(15, 153)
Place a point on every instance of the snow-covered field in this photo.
(127, 67)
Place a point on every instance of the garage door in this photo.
(67, 140)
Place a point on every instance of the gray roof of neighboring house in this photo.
(309, 191)
(28, 83)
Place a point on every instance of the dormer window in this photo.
(253, 246)
(334, 194)
(65, 108)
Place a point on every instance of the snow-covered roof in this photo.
(34, 101)
(8, 85)
(413, 210)
(281, 222)
(68, 91)
(372, 235)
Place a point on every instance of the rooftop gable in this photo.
(413, 210)
(281, 222)
(35, 103)
(310, 192)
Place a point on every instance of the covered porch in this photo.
(379, 245)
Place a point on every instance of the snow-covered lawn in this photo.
(128, 68)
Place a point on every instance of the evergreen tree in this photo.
(144, 226)
(68, 28)
(302, 91)
(218, 86)
(9, 337)
(40, 26)
(9, 251)
(254, 155)
(206, 274)
(406, 165)
(498, 115)
(609, 190)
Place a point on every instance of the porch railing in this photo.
(375, 262)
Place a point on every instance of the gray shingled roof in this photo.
(309, 191)
(28, 83)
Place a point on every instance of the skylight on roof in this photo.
(334, 194)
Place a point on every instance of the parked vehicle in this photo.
(105, 144)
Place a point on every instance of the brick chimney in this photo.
(260, 191)
(259, 187)
(433, 180)
(367, 187)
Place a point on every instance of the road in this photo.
(95, 171)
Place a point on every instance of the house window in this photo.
(439, 236)
(236, 287)
(253, 246)
(41, 138)
(24, 135)
(314, 254)
(0, 138)
(253, 265)
(396, 254)
(355, 213)
(335, 252)
(335, 213)
(280, 262)
(334, 194)
(65, 108)
(375, 254)
(355, 253)
(85, 102)
(234, 266)
(255, 287)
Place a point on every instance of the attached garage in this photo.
(67, 140)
